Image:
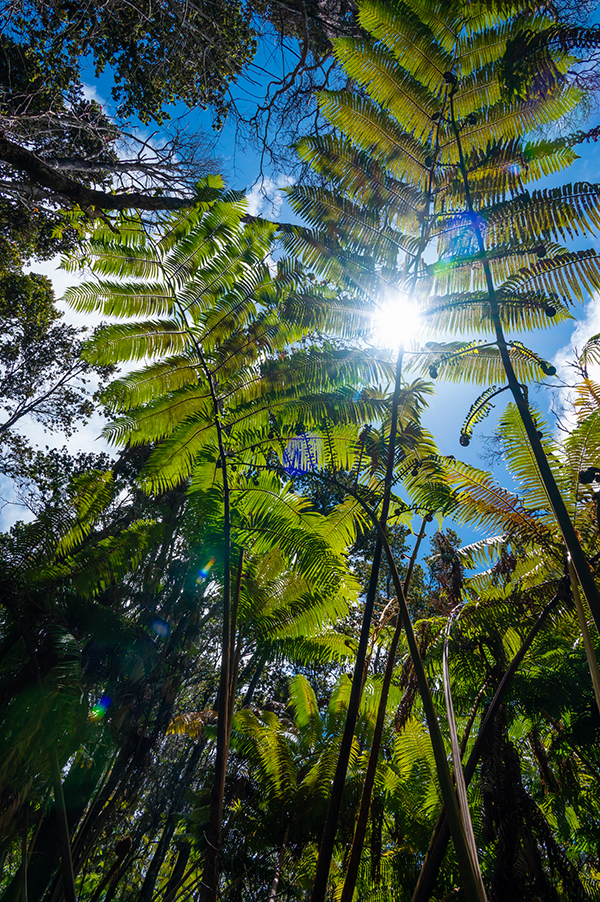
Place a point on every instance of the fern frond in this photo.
(359, 228)
(479, 411)
(469, 311)
(135, 341)
(477, 362)
(357, 175)
(121, 298)
(392, 87)
(481, 500)
(191, 724)
(93, 492)
(569, 274)
(411, 43)
(566, 211)
(306, 711)
(375, 132)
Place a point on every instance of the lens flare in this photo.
(302, 454)
(160, 627)
(101, 707)
(203, 574)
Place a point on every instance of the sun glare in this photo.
(396, 322)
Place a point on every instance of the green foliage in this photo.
(222, 354)
(433, 145)
(119, 589)
(393, 168)
(42, 373)
(158, 56)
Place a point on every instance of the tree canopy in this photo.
(247, 655)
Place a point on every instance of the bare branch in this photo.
(53, 179)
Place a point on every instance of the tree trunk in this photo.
(587, 639)
(571, 539)
(319, 888)
(62, 824)
(65, 188)
(63, 830)
(160, 853)
(441, 833)
(210, 876)
(178, 871)
(280, 857)
(24, 853)
(367, 793)
(471, 885)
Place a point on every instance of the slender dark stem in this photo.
(585, 633)
(24, 853)
(107, 879)
(235, 652)
(580, 562)
(63, 826)
(328, 839)
(367, 793)
(262, 660)
(472, 887)
(210, 877)
(178, 872)
(441, 833)
(459, 778)
(280, 859)
(319, 888)
(471, 720)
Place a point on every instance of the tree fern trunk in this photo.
(459, 777)
(24, 853)
(262, 660)
(441, 833)
(471, 884)
(580, 563)
(160, 853)
(587, 639)
(210, 876)
(178, 872)
(327, 843)
(63, 829)
(162, 848)
(62, 823)
(277, 875)
(319, 888)
(367, 793)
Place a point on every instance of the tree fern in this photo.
(432, 102)
(221, 391)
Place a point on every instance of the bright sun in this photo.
(396, 322)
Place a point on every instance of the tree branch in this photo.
(40, 172)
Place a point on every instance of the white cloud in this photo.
(90, 92)
(265, 197)
(61, 280)
(565, 357)
(88, 437)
